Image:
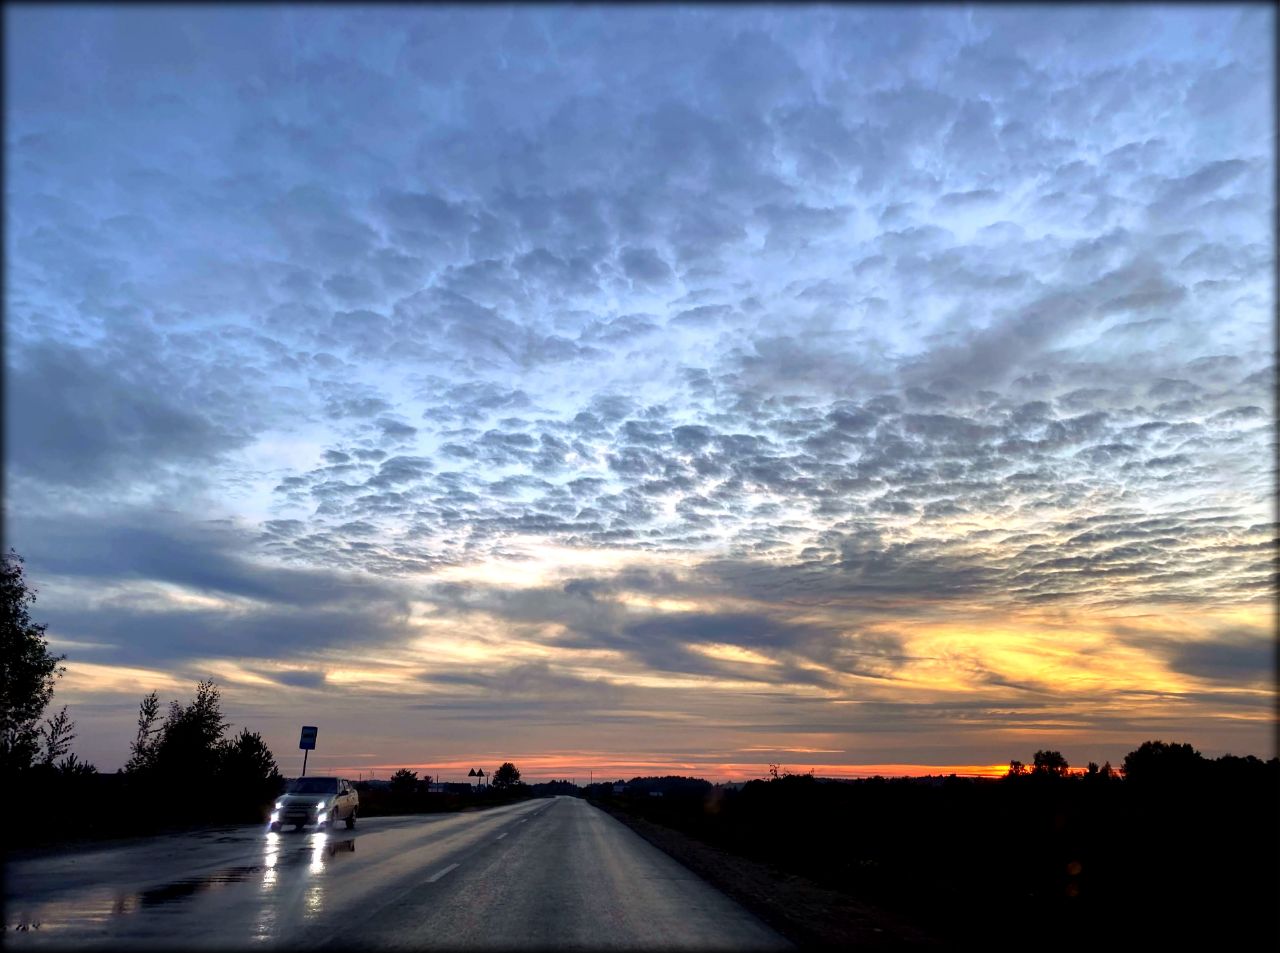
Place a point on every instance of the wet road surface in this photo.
(552, 873)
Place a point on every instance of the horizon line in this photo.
(718, 774)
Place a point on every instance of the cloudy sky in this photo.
(649, 389)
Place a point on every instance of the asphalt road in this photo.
(553, 873)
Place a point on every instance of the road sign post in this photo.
(307, 743)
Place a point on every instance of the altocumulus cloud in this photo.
(739, 346)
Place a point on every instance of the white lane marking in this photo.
(440, 873)
(500, 836)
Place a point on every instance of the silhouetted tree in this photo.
(404, 782)
(249, 769)
(190, 743)
(147, 741)
(58, 732)
(27, 670)
(1049, 764)
(1232, 767)
(225, 777)
(507, 776)
(73, 767)
(1158, 761)
(1016, 769)
(1096, 775)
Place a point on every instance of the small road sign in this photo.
(308, 740)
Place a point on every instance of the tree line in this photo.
(184, 766)
(1173, 848)
(1152, 763)
(407, 782)
(407, 793)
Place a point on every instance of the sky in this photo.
(650, 389)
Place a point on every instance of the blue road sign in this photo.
(308, 739)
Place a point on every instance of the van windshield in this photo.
(313, 786)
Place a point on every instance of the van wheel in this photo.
(351, 820)
(275, 827)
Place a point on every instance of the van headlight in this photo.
(321, 805)
(275, 817)
(279, 805)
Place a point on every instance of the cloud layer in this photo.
(836, 368)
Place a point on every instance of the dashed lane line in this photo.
(440, 873)
(500, 836)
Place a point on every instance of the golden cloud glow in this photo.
(542, 562)
(87, 679)
(730, 653)
(370, 677)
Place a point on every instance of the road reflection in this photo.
(315, 852)
(319, 847)
(269, 859)
(292, 884)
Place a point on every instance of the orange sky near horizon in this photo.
(549, 768)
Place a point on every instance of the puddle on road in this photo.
(181, 889)
(100, 906)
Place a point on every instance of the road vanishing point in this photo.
(553, 873)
